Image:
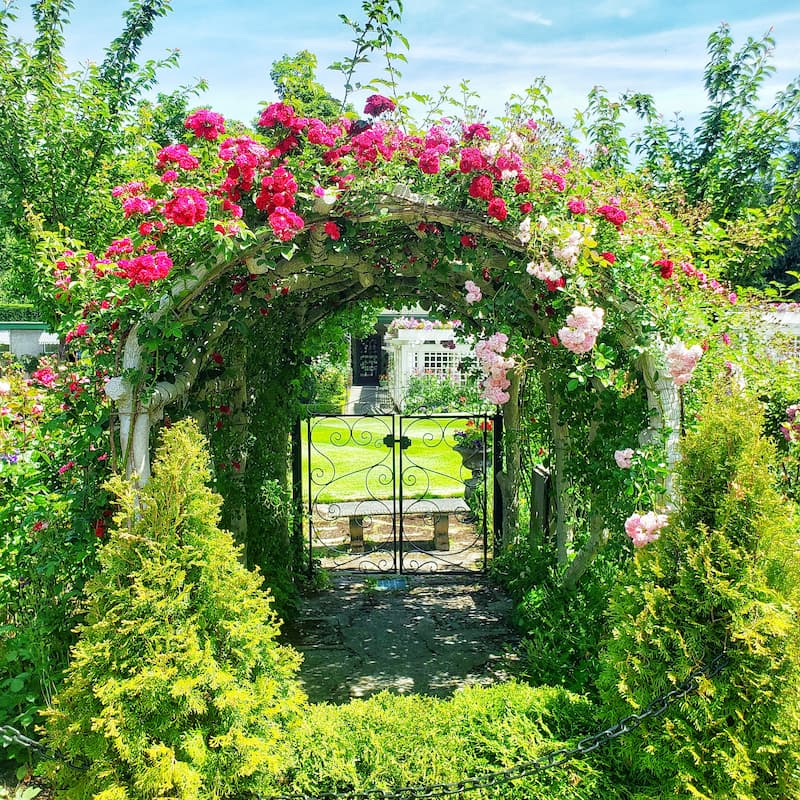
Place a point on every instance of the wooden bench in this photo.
(437, 508)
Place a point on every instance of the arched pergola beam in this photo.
(315, 272)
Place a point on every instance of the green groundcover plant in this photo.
(390, 741)
(177, 686)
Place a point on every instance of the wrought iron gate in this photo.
(393, 493)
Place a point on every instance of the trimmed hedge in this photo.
(725, 573)
(19, 312)
(177, 686)
(389, 741)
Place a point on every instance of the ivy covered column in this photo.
(274, 359)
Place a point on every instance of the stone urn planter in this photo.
(474, 457)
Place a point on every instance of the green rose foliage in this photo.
(177, 687)
(724, 574)
(51, 524)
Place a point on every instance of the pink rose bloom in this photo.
(497, 208)
(80, 330)
(576, 207)
(623, 458)
(644, 528)
(481, 187)
(186, 208)
(285, 224)
(144, 269)
(615, 215)
(495, 395)
(377, 104)
(472, 160)
(494, 367)
(45, 376)
(429, 162)
(473, 292)
(681, 361)
(178, 154)
(583, 326)
(557, 180)
(477, 130)
(137, 205)
(205, 124)
(276, 114)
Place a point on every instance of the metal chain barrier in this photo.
(10, 735)
(556, 758)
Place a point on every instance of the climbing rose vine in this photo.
(495, 368)
(577, 243)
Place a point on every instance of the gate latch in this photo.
(391, 441)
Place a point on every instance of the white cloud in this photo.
(611, 9)
(533, 17)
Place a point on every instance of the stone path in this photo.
(368, 400)
(429, 634)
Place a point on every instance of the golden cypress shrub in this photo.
(177, 687)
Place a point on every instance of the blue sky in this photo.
(500, 46)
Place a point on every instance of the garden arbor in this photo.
(562, 273)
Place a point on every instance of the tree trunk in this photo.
(598, 537)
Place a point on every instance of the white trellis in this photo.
(422, 351)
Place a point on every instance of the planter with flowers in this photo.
(472, 445)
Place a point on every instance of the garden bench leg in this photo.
(441, 531)
(356, 534)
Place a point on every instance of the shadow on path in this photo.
(429, 634)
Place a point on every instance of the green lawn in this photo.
(351, 462)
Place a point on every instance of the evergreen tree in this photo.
(177, 687)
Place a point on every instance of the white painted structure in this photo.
(27, 338)
(781, 327)
(420, 351)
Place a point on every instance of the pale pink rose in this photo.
(623, 458)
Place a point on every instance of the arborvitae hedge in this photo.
(177, 687)
(724, 574)
(389, 741)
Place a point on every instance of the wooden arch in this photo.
(320, 279)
